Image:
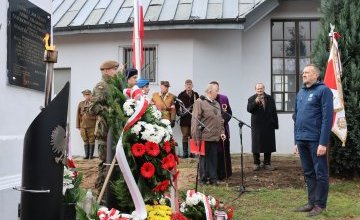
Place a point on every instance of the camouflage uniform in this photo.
(100, 108)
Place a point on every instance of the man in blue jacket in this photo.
(313, 120)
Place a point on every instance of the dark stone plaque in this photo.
(27, 25)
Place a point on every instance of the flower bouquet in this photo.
(150, 151)
(151, 147)
(71, 184)
(198, 206)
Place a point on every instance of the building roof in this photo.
(70, 15)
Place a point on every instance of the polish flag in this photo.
(333, 81)
(138, 36)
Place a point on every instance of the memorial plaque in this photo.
(27, 25)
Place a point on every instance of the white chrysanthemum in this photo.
(193, 200)
(156, 113)
(165, 122)
(148, 132)
(167, 136)
(182, 207)
(160, 131)
(212, 200)
(129, 107)
(138, 127)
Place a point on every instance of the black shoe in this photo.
(315, 211)
(214, 183)
(201, 183)
(304, 208)
(269, 167)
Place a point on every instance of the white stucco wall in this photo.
(256, 65)
(19, 107)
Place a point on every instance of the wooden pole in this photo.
(106, 180)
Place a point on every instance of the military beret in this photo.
(109, 64)
(165, 83)
(130, 72)
(142, 82)
(86, 92)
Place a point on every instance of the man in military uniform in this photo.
(86, 123)
(100, 108)
(164, 102)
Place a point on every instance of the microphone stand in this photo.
(200, 128)
(241, 124)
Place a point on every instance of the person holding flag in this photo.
(312, 128)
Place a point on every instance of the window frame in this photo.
(297, 58)
(125, 49)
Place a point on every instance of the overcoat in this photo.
(264, 121)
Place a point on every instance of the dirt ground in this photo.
(288, 173)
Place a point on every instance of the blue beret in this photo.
(142, 82)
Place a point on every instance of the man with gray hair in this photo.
(264, 121)
(207, 110)
(313, 119)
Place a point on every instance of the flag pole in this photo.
(137, 38)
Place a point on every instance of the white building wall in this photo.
(19, 107)
(256, 66)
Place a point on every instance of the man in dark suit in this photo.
(264, 121)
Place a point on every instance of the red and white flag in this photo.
(138, 36)
(333, 81)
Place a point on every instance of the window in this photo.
(148, 71)
(291, 46)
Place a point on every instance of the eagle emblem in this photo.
(58, 142)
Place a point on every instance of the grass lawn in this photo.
(343, 202)
(269, 197)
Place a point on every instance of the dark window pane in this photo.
(290, 83)
(315, 28)
(277, 65)
(277, 49)
(148, 71)
(290, 66)
(277, 30)
(290, 48)
(304, 46)
(304, 30)
(278, 101)
(290, 101)
(277, 85)
(289, 32)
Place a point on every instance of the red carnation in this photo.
(162, 186)
(147, 170)
(152, 148)
(167, 147)
(165, 163)
(168, 162)
(171, 162)
(178, 216)
(138, 150)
